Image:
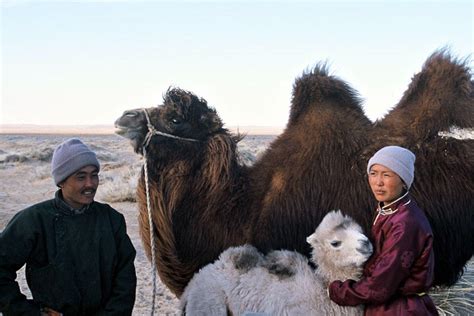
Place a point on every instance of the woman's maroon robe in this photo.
(401, 269)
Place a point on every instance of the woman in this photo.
(401, 270)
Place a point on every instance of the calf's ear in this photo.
(312, 240)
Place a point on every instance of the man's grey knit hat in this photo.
(398, 159)
(69, 157)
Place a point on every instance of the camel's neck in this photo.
(191, 211)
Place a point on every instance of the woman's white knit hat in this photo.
(69, 157)
(398, 159)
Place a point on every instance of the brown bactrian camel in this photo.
(204, 200)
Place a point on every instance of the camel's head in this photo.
(183, 118)
(339, 244)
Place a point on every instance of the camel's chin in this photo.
(134, 136)
(128, 132)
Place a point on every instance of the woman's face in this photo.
(386, 185)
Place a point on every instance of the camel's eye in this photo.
(176, 121)
(335, 243)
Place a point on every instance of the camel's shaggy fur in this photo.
(204, 200)
(282, 282)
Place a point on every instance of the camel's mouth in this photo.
(120, 130)
(129, 132)
(134, 135)
(131, 125)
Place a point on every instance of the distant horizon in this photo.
(106, 129)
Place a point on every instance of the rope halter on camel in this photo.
(151, 132)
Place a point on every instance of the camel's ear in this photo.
(332, 219)
(312, 240)
(211, 120)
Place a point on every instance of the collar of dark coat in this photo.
(393, 206)
(65, 208)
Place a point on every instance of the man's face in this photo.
(80, 187)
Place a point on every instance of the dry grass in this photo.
(119, 185)
(458, 299)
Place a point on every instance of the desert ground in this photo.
(25, 180)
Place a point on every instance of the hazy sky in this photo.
(85, 62)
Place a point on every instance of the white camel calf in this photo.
(283, 282)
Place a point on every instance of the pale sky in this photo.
(85, 62)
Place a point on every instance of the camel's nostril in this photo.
(365, 247)
(364, 242)
(130, 113)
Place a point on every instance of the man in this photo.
(79, 258)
